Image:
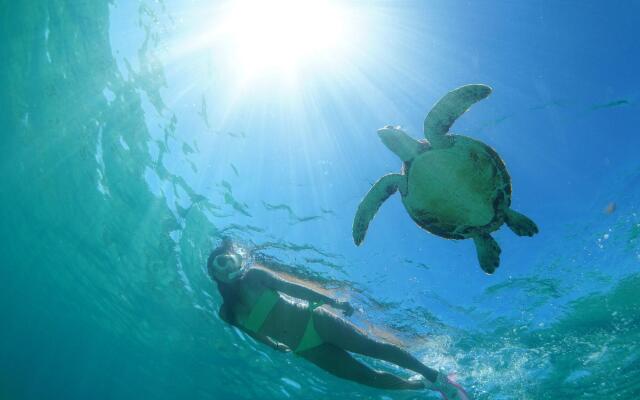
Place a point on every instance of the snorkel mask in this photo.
(228, 267)
(226, 264)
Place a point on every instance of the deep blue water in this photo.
(130, 146)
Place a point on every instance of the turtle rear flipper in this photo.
(379, 192)
(488, 252)
(520, 224)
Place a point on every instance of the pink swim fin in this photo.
(449, 388)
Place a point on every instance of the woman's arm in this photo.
(269, 279)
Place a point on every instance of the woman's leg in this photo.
(341, 364)
(349, 337)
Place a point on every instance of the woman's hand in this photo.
(282, 347)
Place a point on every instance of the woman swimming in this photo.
(290, 316)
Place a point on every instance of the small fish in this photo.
(243, 228)
(610, 208)
(237, 134)
(274, 207)
(496, 121)
(556, 103)
(610, 104)
(308, 218)
(293, 217)
(240, 207)
(203, 113)
(186, 149)
(226, 185)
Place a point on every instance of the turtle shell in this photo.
(459, 191)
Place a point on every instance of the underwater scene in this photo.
(186, 185)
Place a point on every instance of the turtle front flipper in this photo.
(379, 192)
(488, 252)
(520, 224)
(448, 109)
(403, 145)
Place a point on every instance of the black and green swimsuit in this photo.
(263, 307)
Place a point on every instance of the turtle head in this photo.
(401, 144)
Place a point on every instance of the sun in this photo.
(282, 35)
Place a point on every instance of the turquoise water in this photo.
(127, 153)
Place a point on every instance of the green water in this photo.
(80, 264)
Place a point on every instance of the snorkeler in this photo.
(291, 316)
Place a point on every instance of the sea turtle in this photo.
(451, 185)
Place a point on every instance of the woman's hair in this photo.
(228, 291)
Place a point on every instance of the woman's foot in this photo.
(449, 389)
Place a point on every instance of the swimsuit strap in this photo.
(261, 310)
